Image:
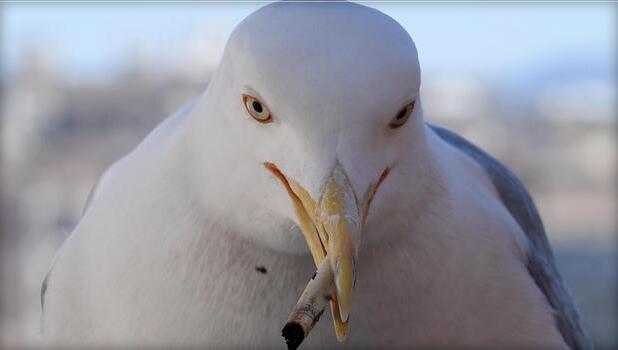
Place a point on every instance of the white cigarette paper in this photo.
(310, 306)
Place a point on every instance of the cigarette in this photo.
(310, 306)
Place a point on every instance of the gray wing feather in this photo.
(540, 264)
(44, 290)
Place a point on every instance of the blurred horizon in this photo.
(534, 84)
(524, 44)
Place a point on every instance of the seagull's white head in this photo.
(310, 115)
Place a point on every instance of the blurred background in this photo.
(82, 84)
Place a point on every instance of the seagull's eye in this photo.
(257, 109)
(402, 116)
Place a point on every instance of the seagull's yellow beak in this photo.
(339, 216)
(332, 227)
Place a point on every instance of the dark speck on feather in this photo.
(261, 269)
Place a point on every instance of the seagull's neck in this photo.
(461, 256)
(416, 188)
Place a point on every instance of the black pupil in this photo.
(257, 106)
(401, 114)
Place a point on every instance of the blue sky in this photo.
(490, 40)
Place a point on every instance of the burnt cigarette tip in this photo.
(293, 334)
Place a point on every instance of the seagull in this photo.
(309, 148)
